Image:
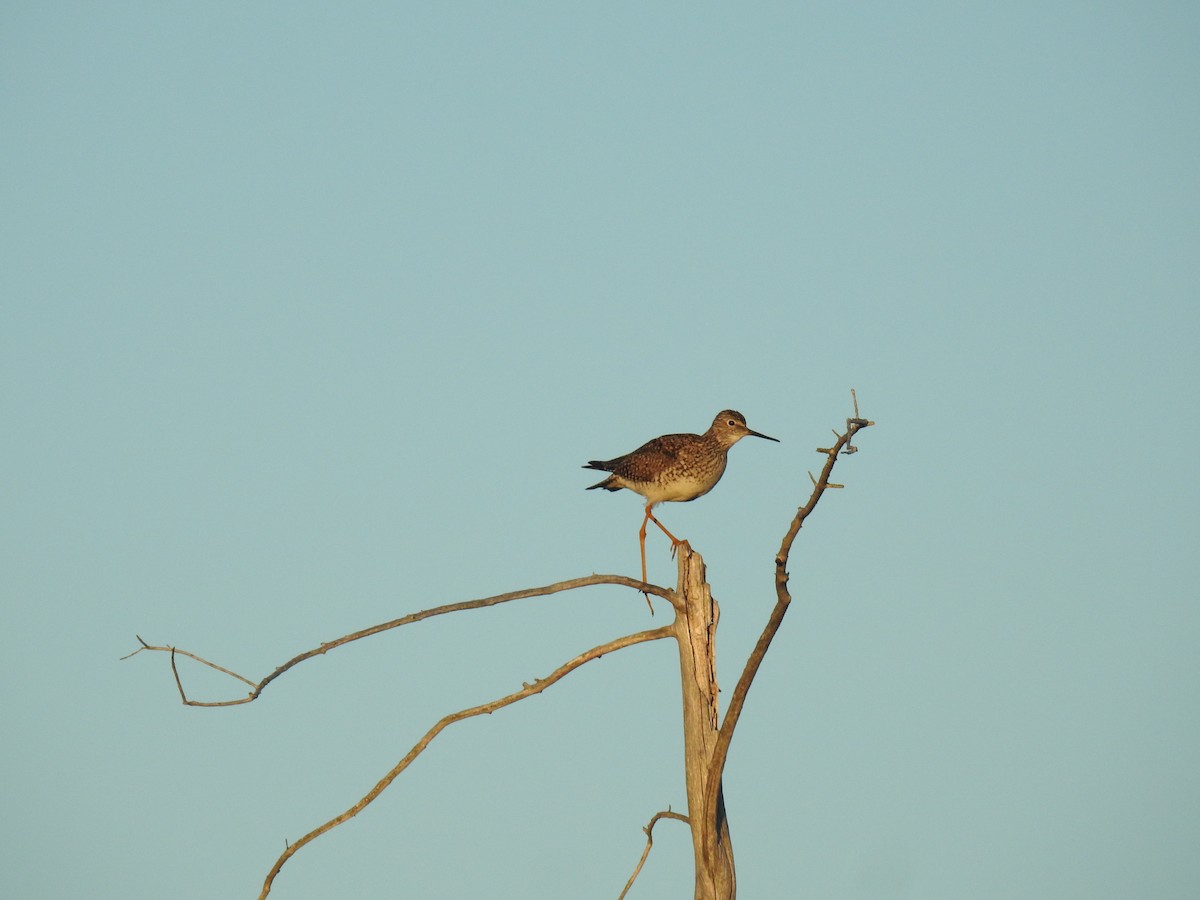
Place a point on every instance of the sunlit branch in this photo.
(258, 687)
(738, 699)
(527, 690)
(650, 843)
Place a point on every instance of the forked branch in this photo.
(528, 690)
(256, 688)
(704, 782)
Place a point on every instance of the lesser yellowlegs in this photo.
(675, 467)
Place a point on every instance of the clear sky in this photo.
(311, 313)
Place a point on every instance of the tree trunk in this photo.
(695, 632)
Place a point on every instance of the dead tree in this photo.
(707, 736)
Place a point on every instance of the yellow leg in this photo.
(642, 541)
(675, 542)
(642, 546)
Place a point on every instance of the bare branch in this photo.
(528, 690)
(325, 647)
(738, 699)
(174, 650)
(650, 843)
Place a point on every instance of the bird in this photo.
(674, 468)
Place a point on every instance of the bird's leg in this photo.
(642, 545)
(675, 542)
(642, 540)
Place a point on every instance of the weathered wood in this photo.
(695, 630)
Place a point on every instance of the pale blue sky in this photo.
(311, 313)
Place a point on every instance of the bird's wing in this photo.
(650, 458)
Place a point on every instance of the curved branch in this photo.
(258, 687)
(650, 843)
(738, 699)
(528, 690)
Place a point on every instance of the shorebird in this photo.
(674, 468)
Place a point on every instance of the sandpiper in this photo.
(675, 468)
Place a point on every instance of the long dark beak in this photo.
(765, 437)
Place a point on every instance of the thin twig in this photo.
(325, 647)
(528, 690)
(738, 699)
(199, 659)
(650, 843)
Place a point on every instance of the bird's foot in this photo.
(676, 544)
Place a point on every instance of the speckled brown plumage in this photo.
(674, 467)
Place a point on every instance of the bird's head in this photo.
(730, 426)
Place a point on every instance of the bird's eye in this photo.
(731, 422)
